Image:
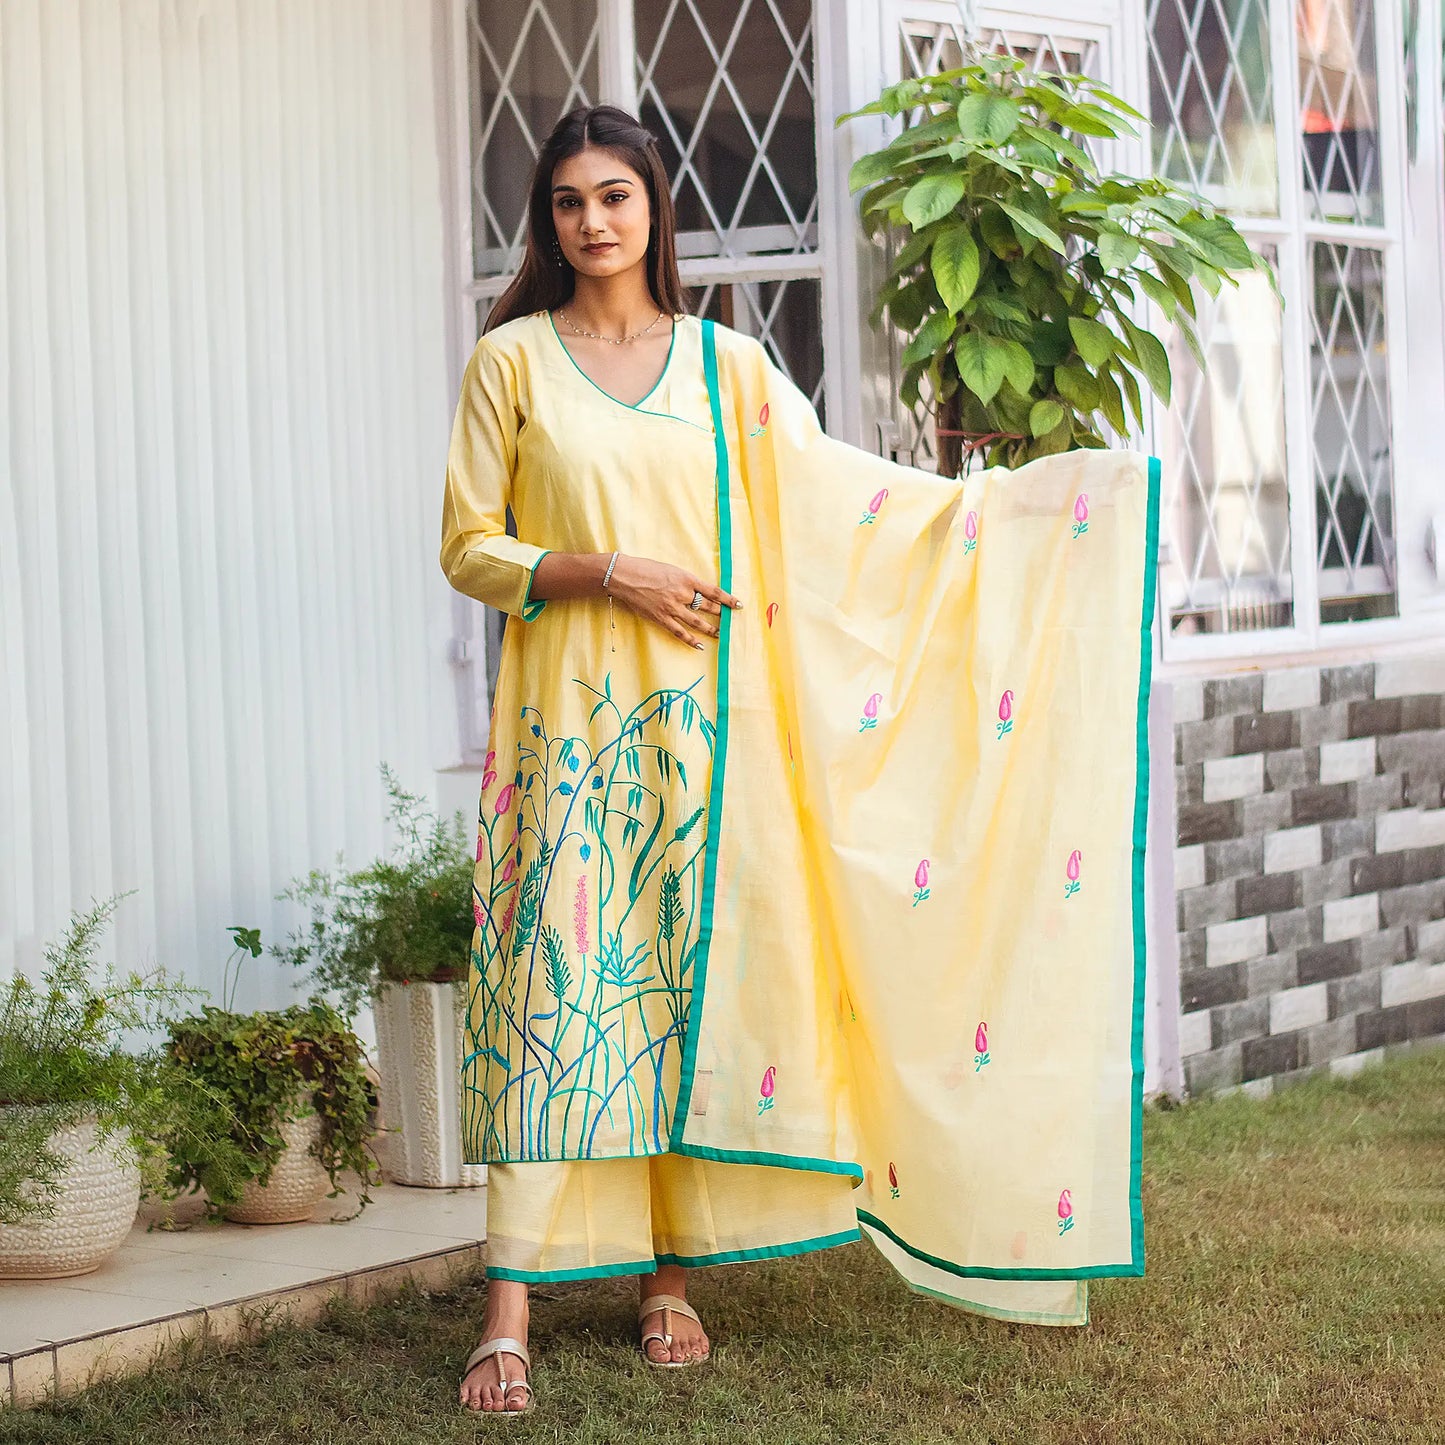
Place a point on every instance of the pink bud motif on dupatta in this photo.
(873, 507)
(970, 533)
(920, 883)
(1005, 713)
(766, 1089)
(504, 798)
(1066, 1213)
(980, 1047)
(870, 713)
(579, 914)
(509, 870)
(892, 1181)
(772, 612)
(762, 425)
(480, 844)
(1081, 514)
(477, 913)
(1072, 870)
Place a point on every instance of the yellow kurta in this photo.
(856, 891)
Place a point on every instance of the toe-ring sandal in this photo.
(499, 1347)
(670, 1305)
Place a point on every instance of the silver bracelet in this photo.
(608, 577)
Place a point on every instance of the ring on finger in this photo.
(697, 600)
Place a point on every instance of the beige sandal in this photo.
(502, 1346)
(670, 1305)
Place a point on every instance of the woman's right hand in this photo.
(663, 594)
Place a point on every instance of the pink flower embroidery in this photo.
(489, 758)
(509, 870)
(477, 913)
(920, 882)
(772, 612)
(980, 1047)
(579, 915)
(1072, 870)
(504, 798)
(970, 532)
(511, 909)
(1081, 514)
(762, 425)
(480, 842)
(873, 507)
(488, 778)
(870, 713)
(1066, 1212)
(1006, 712)
(766, 1089)
(892, 1180)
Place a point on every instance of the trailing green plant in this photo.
(405, 916)
(63, 1060)
(271, 1067)
(1023, 270)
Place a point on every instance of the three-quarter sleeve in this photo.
(477, 554)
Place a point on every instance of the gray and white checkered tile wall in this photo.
(1310, 868)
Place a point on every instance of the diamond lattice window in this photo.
(1290, 143)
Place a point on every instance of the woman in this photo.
(819, 742)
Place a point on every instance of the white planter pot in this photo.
(420, 1034)
(99, 1195)
(297, 1184)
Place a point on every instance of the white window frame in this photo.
(1414, 364)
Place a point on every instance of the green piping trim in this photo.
(630, 405)
(766, 1251)
(532, 610)
(755, 1156)
(980, 1271)
(720, 749)
(547, 1276)
(1141, 834)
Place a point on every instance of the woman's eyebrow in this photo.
(601, 185)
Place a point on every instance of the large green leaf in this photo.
(1030, 224)
(1018, 365)
(1153, 359)
(1158, 293)
(1226, 246)
(987, 115)
(932, 338)
(870, 169)
(1075, 384)
(955, 266)
(1095, 341)
(1044, 416)
(1116, 250)
(980, 361)
(933, 197)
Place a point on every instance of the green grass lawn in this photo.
(1295, 1292)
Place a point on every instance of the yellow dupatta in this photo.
(921, 959)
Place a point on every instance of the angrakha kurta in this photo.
(852, 897)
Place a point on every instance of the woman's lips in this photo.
(599, 248)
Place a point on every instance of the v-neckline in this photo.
(651, 391)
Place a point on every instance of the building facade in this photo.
(331, 152)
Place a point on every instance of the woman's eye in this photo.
(617, 196)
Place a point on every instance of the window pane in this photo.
(1337, 110)
(786, 316)
(1227, 517)
(727, 88)
(546, 53)
(1211, 100)
(1351, 453)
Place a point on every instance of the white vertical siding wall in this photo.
(224, 408)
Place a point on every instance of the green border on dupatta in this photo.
(688, 1065)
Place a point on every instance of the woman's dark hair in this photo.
(543, 281)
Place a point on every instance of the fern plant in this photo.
(1022, 270)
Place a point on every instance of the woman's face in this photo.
(601, 211)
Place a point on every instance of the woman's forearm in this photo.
(562, 575)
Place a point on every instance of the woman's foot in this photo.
(506, 1315)
(690, 1343)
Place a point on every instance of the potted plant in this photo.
(1024, 271)
(81, 1117)
(397, 934)
(299, 1100)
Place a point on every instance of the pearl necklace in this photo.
(597, 335)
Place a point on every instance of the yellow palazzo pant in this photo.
(581, 1219)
